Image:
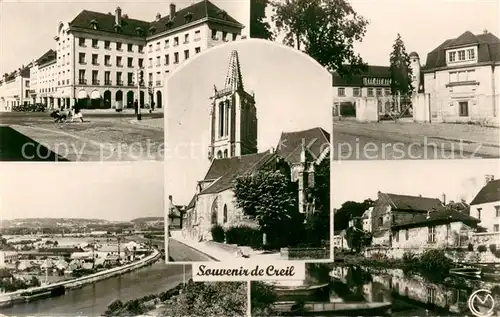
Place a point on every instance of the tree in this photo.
(318, 224)
(326, 29)
(263, 296)
(259, 28)
(401, 73)
(209, 299)
(349, 210)
(357, 239)
(269, 197)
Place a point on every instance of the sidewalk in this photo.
(223, 252)
(157, 123)
(465, 134)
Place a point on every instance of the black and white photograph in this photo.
(85, 81)
(248, 166)
(87, 240)
(402, 89)
(416, 245)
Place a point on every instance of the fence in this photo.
(376, 108)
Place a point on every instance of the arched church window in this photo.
(221, 119)
(219, 154)
(225, 213)
(226, 123)
(225, 153)
(214, 211)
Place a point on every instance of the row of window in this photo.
(462, 76)
(462, 55)
(176, 58)
(431, 234)
(107, 45)
(357, 92)
(107, 60)
(131, 81)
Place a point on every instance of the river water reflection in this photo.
(93, 299)
(410, 294)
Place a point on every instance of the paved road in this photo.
(179, 252)
(352, 144)
(104, 137)
(93, 300)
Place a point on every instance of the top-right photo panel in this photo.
(410, 79)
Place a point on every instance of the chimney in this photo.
(172, 10)
(443, 198)
(271, 150)
(170, 198)
(428, 214)
(420, 195)
(489, 178)
(485, 31)
(158, 17)
(118, 16)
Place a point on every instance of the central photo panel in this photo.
(247, 156)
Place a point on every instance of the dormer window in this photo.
(188, 16)
(93, 24)
(118, 28)
(169, 23)
(461, 55)
(222, 14)
(152, 30)
(139, 31)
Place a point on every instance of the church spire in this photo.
(233, 77)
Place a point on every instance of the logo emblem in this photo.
(481, 303)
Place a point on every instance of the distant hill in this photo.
(49, 222)
(147, 219)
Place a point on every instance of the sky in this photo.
(457, 179)
(423, 24)
(292, 93)
(27, 28)
(110, 191)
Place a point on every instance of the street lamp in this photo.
(140, 80)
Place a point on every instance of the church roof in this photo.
(316, 140)
(227, 169)
(488, 49)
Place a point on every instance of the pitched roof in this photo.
(372, 71)
(196, 12)
(5, 274)
(441, 215)
(489, 193)
(488, 49)
(49, 56)
(411, 203)
(192, 203)
(227, 169)
(316, 140)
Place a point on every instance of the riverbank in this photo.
(22, 296)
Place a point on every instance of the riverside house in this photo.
(486, 205)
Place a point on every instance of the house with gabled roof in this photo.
(391, 209)
(233, 153)
(486, 205)
(461, 78)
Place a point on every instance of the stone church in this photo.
(233, 152)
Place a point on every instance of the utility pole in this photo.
(140, 78)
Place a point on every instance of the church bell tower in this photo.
(233, 116)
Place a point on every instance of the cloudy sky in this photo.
(111, 191)
(423, 24)
(292, 93)
(457, 179)
(27, 28)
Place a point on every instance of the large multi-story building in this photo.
(15, 88)
(98, 55)
(43, 77)
(461, 78)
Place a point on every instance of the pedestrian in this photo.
(152, 107)
(136, 106)
(77, 113)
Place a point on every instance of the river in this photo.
(410, 295)
(93, 299)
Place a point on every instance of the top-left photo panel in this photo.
(84, 81)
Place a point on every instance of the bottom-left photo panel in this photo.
(88, 240)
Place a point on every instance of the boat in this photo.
(301, 290)
(332, 309)
(467, 271)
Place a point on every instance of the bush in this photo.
(378, 256)
(435, 261)
(410, 261)
(470, 247)
(481, 248)
(244, 236)
(218, 233)
(493, 248)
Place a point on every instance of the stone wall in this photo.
(305, 253)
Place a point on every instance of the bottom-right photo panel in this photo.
(411, 238)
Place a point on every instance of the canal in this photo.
(93, 300)
(410, 294)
